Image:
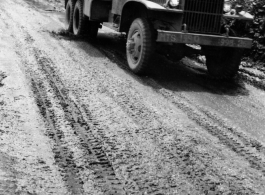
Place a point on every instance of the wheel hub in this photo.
(134, 46)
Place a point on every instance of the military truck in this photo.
(151, 24)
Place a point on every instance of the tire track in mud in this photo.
(99, 162)
(236, 141)
(210, 114)
(63, 157)
(193, 165)
(248, 141)
(137, 179)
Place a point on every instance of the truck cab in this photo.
(150, 24)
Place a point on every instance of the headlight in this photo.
(173, 3)
(227, 6)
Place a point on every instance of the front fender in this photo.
(148, 4)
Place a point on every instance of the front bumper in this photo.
(203, 39)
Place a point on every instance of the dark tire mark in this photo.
(97, 158)
(236, 141)
(63, 157)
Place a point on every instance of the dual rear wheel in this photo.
(77, 23)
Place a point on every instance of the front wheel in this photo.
(140, 45)
(223, 63)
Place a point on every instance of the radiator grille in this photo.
(203, 16)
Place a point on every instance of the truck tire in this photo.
(140, 45)
(79, 19)
(69, 13)
(223, 63)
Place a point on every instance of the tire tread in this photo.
(148, 44)
(82, 19)
(69, 25)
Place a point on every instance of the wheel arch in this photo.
(130, 11)
(147, 4)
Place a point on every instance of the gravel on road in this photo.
(74, 120)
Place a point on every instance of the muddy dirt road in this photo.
(74, 120)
